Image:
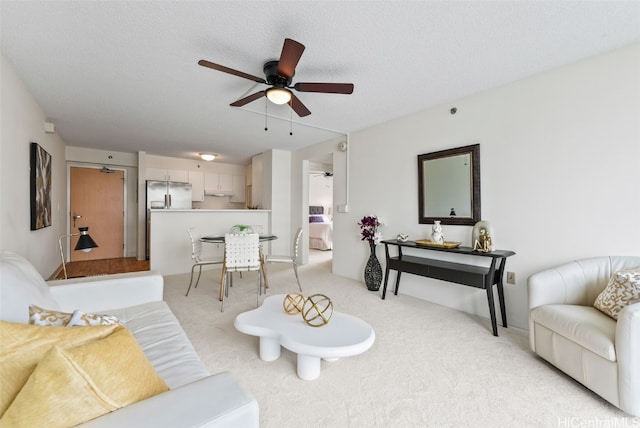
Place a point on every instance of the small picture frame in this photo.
(40, 187)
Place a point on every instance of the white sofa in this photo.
(566, 330)
(195, 398)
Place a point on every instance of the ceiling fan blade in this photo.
(205, 63)
(297, 106)
(291, 53)
(327, 88)
(248, 99)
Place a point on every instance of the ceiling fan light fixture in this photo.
(207, 157)
(278, 95)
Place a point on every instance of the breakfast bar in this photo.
(170, 244)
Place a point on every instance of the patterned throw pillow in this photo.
(46, 317)
(40, 316)
(623, 290)
(79, 318)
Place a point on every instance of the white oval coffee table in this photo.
(344, 336)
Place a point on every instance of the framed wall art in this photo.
(40, 183)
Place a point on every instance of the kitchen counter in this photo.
(170, 246)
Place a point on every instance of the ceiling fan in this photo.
(325, 174)
(279, 75)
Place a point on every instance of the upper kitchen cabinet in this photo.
(196, 178)
(163, 174)
(218, 184)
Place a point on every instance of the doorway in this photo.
(96, 200)
(320, 193)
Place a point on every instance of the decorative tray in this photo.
(445, 244)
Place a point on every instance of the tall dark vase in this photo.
(373, 271)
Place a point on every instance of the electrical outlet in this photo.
(511, 278)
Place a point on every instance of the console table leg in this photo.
(308, 367)
(503, 310)
(397, 282)
(386, 280)
(492, 310)
(269, 349)
(500, 275)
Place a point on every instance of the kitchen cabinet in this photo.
(196, 178)
(218, 183)
(163, 174)
(239, 188)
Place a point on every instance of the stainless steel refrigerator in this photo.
(166, 195)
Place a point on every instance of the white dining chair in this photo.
(291, 259)
(242, 253)
(196, 256)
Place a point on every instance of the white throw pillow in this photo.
(623, 290)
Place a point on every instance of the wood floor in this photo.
(131, 264)
(102, 267)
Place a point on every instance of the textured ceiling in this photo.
(123, 75)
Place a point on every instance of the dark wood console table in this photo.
(471, 275)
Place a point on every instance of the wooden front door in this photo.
(97, 201)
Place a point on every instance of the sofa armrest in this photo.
(628, 355)
(215, 401)
(556, 286)
(100, 293)
(552, 287)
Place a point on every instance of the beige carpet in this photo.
(430, 366)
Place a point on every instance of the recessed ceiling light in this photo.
(207, 157)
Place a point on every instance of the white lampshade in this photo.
(207, 157)
(279, 95)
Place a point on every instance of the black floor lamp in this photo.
(85, 243)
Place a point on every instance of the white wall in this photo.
(560, 175)
(257, 181)
(321, 192)
(276, 196)
(22, 122)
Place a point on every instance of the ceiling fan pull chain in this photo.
(290, 122)
(266, 104)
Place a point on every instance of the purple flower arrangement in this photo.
(369, 229)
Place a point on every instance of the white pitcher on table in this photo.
(436, 233)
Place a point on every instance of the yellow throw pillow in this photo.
(75, 385)
(56, 378)
(623, 290)
(22, 346)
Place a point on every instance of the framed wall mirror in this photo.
(449, 186)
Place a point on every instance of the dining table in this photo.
(219, 239)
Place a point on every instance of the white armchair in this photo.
(566, 330)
